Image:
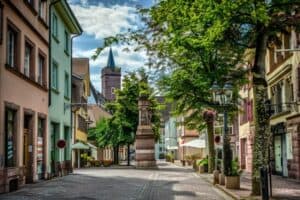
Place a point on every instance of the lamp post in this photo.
(223, 96)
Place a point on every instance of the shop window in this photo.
(10, 138)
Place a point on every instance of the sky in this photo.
(104, 18)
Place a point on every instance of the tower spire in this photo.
(111, 61)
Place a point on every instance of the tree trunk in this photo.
(211, 146)
(260, 146)
(116, 155)
(128, 154)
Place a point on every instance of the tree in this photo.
(174, 39)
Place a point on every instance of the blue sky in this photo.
(103, 18)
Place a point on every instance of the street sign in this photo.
(61, 144)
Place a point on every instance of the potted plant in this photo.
(232, 180)
(183, 162)
(170, 158)
(203, 165)
(188, 158)
(221, 178)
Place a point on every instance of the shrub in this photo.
(169, 157)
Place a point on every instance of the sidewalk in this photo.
(282, 188)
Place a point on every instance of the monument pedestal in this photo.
(145, 141)
(145, 147)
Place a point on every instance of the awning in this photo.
(197, 143)
(80, 145)
(172, 147)
(92, 146)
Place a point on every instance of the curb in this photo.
(231, 194)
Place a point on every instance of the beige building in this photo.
(283, 74)
(23, 92)
(246, 124)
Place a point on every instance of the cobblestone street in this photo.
(168, 182)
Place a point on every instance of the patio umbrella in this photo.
(197, 143)
(79, 146)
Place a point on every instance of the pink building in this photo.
(23, 92)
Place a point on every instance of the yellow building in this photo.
(80, 120)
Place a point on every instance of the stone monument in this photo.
(145, 142)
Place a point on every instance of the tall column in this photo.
(145, 143)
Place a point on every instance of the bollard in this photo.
(264, 183)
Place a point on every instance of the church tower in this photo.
(111, 78)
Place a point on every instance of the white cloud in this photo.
(103, 21)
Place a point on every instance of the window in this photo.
(41, 71)
(82, 126)
(41, 127)
(10, 138)
(66, 42)
(55, 26)
(1, 22)
(12, 39)
(29, 61)
(29, 2)
(42, 9)
(67, 85)
(54, 76)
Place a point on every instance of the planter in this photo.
(172, 160)
(232, 182)
(201, 169)
(183, 162)
(216, 176)
(221, 179)
(189, 162)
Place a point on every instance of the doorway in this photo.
(28, 147)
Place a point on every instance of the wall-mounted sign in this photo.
(61, 144)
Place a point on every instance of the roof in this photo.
(110, 60)
(68, 16)
(96, 113)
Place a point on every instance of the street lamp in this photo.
(223, 96)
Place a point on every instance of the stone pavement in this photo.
(166, 183)
(282, 188)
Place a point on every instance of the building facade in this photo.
(283, 69)
(23, 92)
(64, 26)
(246, 124)
(80, 94)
